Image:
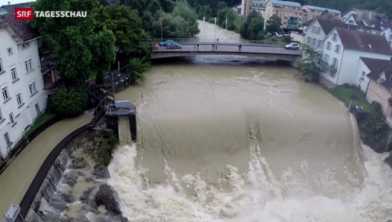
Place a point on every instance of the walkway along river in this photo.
(228, 139)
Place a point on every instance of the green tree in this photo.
(74, 42)
(67, 103)
(253, 27)
(136, 67)
(127, 27)
(228, 19)
(274, 24)
(310, 65)
(181, 23)
(374, 129)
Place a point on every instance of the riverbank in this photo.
(76, 187)
(372, 125)
(16, 179)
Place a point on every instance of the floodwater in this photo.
(228, 139)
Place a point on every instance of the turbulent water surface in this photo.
(228, 139)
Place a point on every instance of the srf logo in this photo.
(24, 14)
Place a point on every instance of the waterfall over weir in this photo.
(223, 139)
(124, 134)
(256, 196)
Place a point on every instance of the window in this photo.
(32, 89)
(19, 100)
(337, 48)
(14, 75)
(326, 58)
(25, 45)
(10, 51)
(334, 37)
(319, 43)
(29, 66)
(37, 109)
(5, 94)
(316, 30)
(335, 63)
(12, 120)
(329, 45)
(7, 139)
(1, 66)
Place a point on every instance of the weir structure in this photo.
(121, 118)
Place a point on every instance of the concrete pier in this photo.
(121, 118)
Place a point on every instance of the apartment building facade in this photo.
(343, 50)
(23, 97)
(290, 13)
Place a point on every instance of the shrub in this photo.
(68, 103)
(103, 149)
(309, 65)
(136, 68)
(374, 129)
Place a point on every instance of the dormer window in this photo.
(10, 51)
(28, 66)
(382, 78)
(334, 37)
(25, 44)
(1, 66)
(337, 48)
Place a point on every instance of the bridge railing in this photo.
(195, 41)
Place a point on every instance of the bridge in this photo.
(268, 52)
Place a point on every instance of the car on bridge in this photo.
(293, 46)
(170, 44)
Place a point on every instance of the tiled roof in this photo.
(328, 23)
(365, 42)
(377, 68)
(370, 20)
(21, 29)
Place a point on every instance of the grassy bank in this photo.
(351, 95)
(372, 124)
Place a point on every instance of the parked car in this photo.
(292, 46)
(170, 44)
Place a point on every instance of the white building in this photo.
(318, 29)
(387, 33)
(343, 50)
(23, 97)
(367, 21)
(290, 13)
(246, 7)
(376, 82)
(258, 6)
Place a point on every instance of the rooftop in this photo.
(328, 23)
(378, 67)
(365, 42)
(21, 29)
(369, 19)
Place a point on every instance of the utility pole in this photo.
(161, 23)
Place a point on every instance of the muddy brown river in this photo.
(233, 139)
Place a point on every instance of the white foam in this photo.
(259, 196)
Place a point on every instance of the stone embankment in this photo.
(76, 188)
